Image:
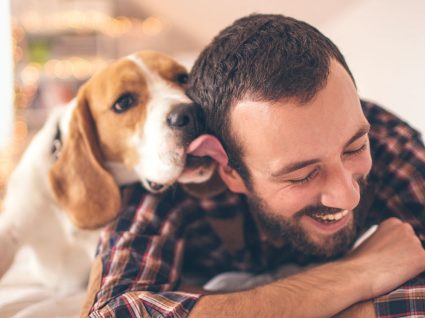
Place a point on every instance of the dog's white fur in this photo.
(62, 253)
(32, 216)
(166, 161)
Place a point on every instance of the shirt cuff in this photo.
(406, 301)
(148, 304)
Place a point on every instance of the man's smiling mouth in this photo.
(328, 218)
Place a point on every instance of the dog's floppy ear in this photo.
(80, 183)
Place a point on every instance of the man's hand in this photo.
(390, 257)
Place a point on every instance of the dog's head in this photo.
(132, 121)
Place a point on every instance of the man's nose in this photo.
(341, 190)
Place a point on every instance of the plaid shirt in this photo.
(157, 241)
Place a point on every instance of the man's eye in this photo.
(124, 102)
(308, 178)
(356, 151)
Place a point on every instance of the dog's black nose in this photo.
(185, 117)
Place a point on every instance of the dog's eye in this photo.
(124, 102)
(182, 78)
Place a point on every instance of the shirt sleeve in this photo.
(399, 170)
(141, 258)
(406, 301)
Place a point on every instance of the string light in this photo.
(88, 21)
(152, 26)
(30, 74)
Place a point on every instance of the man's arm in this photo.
(387, 259)
(364, 309)
(141, 257)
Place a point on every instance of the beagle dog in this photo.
(131, 122)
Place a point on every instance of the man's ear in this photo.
(232, 179)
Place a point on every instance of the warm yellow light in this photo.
(98, 20)
(152, 26)
(49, 67)
(68, 67)
(99, 64)
(76, 67)
(75, 20)
(30, 74)
(81, 68)
(59, 70)
(32, 21)
(125, 24)
(88, 20)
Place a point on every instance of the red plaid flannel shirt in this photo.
(157, 240)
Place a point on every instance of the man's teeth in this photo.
(331, 217)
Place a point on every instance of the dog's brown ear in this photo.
(80, 183)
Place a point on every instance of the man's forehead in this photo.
(264, 128)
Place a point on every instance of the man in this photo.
(309, 168)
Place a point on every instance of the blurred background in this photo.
(50, 47)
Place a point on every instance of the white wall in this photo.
(6, 75)
(384, 44)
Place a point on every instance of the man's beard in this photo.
(290, 231)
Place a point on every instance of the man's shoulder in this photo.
(396, 147)
(389, 134)
(386, 126)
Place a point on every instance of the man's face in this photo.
(307, 165)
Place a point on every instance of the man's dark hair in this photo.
(263, 57)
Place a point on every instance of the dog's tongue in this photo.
(208, 145)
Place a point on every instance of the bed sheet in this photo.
(21, 296)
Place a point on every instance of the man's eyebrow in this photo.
(363, 130)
